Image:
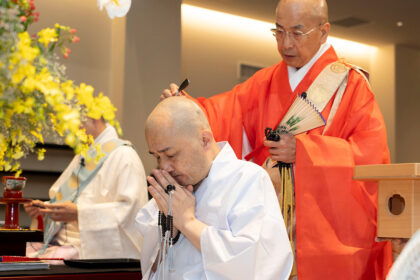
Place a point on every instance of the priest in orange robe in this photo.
(335, 216)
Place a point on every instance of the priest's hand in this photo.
(172, 91)
(283, 150)
(183, 205)
(61, 212)
(183, 201)
(33, 208)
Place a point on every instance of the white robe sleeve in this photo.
(147, 225)
(107, 210)
(255, 246)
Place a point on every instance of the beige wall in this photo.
(152, 59)
(383, 85)
(408, 104)
(213, 48)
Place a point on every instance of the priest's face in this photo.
(299, 34)
(181, 155)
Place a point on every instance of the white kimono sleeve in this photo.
(106, 216)
(255, 246)
(147, 225)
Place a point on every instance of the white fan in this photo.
(407, 265)
(302, 116)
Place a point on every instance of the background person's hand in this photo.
(283, 150)
(61, 212)
(172, 91)
(33, 208)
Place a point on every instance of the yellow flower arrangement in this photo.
(36, 100)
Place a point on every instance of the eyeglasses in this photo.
(295, 35)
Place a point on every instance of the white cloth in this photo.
(296, 75)
(107, 206)
(245, 238)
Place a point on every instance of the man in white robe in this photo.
(100, 224)
(225, 209)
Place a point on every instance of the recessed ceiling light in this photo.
(400, 23)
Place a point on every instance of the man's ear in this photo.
(325, 30)
(206, 138)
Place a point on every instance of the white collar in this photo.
(297, 75)
(108, 134)
(225, 155)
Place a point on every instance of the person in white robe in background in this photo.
(225, 209)
(101, 222)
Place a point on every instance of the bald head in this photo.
(317, 9)
(179, 136)
(179, 114)
(309, 20)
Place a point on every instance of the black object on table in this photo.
(103, 263)
(13, 242)
(64, 272)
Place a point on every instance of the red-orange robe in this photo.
(335, 216)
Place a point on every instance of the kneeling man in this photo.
(225, 213)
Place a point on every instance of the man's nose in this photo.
(167, 166)
(287, 41)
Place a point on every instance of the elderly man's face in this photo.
(299, 35)
(182, 157)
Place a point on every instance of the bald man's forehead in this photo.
(160, 140)
(303, 9)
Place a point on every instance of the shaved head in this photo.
(317, 9)
(178, 135)
(309, 18)
(178, 114)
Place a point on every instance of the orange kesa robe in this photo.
(335, 216)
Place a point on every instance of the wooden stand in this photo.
(398, 197)
(11, 220)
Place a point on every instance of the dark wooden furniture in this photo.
(63, 272)
(13, 242)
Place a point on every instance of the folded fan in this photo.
(302, 116)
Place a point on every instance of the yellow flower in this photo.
(41, 153)
(85, 94)
(29, 84)
(47, 35)
(68, 89)
(35, 97)
(104, 105)
(25, 50)
(18, 153)
(70, 140)
(38, 136)
(3, 143)
(22, 72)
